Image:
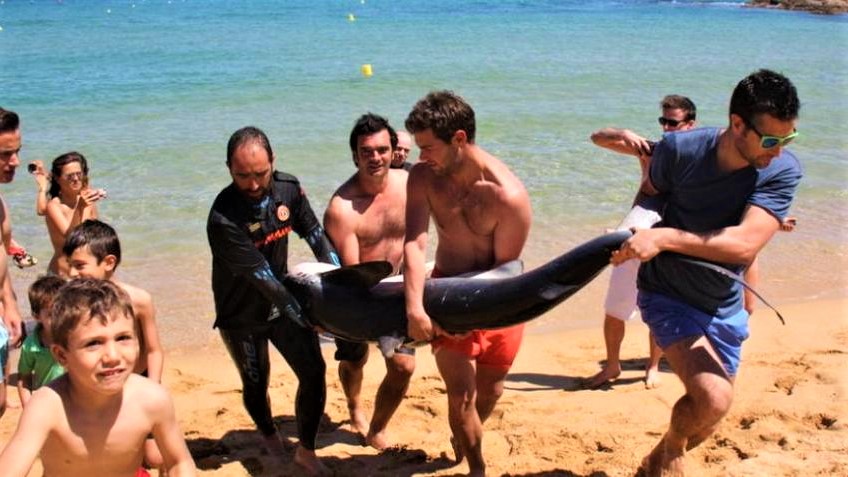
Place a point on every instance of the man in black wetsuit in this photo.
(248, 232)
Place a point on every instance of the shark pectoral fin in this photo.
(364, 275)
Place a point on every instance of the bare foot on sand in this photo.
(659, 463)
(359, 422)
(309, 463)
(274, 444)
(378, 440)
(606, 375)
(652, 378)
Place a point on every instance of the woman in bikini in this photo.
(71, 202)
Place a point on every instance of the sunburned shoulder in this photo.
(51, 395)
(137, 295)
(502, 181)
(145, 392)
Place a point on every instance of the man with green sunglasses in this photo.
(768, 142)
(725, 193)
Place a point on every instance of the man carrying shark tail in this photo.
(726, 193)
(365, 221)
(482, 213)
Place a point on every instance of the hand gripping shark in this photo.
(356, 303)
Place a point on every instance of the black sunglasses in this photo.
(670, 122)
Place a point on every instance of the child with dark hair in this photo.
(37, 366)
(94, 420)
(93, 250)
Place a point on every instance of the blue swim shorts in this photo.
(4, 350)
(672, 320)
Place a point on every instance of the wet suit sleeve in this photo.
(235, 250)
(321, 246)
(307, 226)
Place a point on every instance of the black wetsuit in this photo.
(249, 242)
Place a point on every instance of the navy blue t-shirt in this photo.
(700, 198)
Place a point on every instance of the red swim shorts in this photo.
(493, 348)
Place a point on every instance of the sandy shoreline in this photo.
(789, 417)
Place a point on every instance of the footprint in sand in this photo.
(426, 408)
(821, 421)
(746, 422)
(729, 444)
(786, 384)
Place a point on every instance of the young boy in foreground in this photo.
(94, 419)
(94, 251)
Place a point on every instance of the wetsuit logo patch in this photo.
(283, 213)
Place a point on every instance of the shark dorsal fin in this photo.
(364, 275)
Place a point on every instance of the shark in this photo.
(362, 303)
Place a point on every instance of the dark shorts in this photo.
(673, 320)
(355, 351)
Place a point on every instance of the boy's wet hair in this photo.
(42, 292)
(85, 299)
(443, 112)
(101, 238)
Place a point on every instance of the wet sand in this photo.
(788, 418)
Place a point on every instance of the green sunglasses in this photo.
(768, 142)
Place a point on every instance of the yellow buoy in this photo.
(350, 17)
(366, 70)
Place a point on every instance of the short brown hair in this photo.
(443, 112)
(675, 101)
(85, 299)
(9, 121)
(42, 292)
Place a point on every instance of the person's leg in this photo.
(709, 393)
(613, 337)
(458, 372)
(652, 369)
(249, 351)
(619, 306)
(399, 369)
(490, 387)
(498, 351)
(352, 358)
(301, 350)
(2, 395)
(4, 365)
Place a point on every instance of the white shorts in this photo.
(621, 294)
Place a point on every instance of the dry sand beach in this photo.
(789, 417)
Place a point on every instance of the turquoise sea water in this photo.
(149, 92)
